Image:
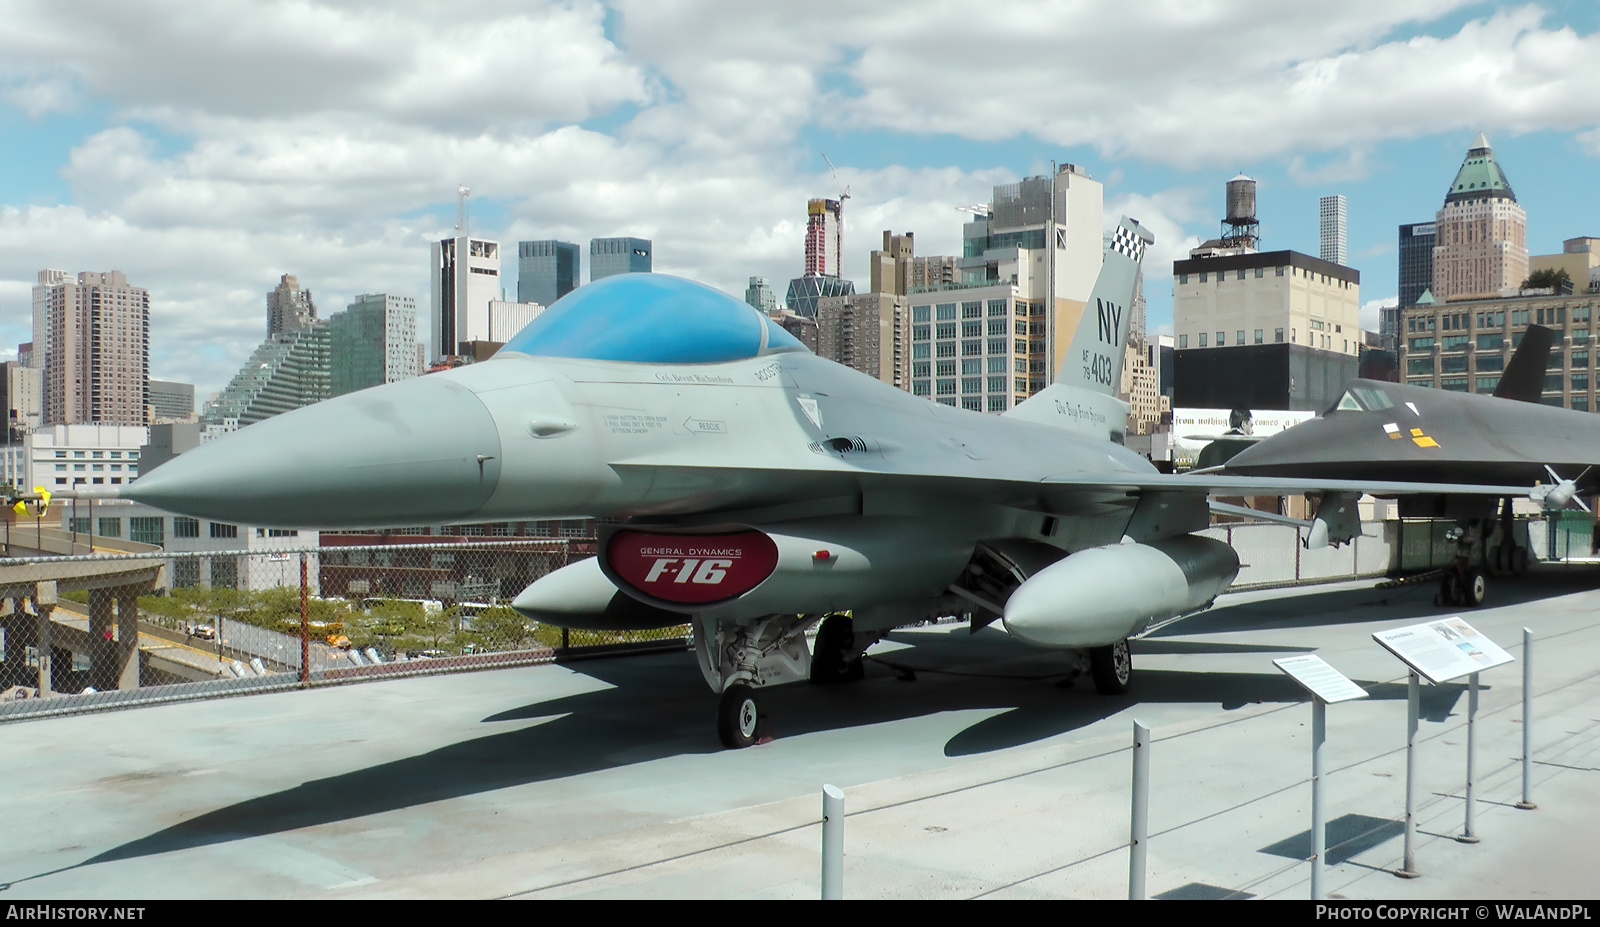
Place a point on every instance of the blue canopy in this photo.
(652, 319)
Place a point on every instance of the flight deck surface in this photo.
(984, 778)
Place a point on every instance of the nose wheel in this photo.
(739, 719)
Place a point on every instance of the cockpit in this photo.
(1363, 399)
(652, 319)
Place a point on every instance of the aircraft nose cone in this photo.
(406, 453)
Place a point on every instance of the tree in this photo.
(1550, 278)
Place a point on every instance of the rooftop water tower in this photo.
(1239, 228)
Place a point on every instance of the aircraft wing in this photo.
(800, 491)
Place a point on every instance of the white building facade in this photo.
(465, 278)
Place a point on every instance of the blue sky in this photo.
(205, 150)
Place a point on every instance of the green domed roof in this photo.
(1480, 176)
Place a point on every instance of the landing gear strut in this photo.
(738, 659)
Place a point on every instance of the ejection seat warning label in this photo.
(630, 423)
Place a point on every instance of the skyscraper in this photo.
(823, 237)
(1332, 224)
(41, 315)
(287, 371)
(288, 306)
(760, 294)
(546, 270)
(820, 278)
(1416, 261)
(465, 277)
(372, 342)
(1482, 233)
(97, 363)
(608, 256)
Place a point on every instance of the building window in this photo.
(1203, 277)
(1258, 336)
(186, 573)
(972, 310)
(921, 313)
(224, 572)
(220, 530)
(947, 387)
(1239, 337)
(1183, 341)
(146, 530)
(1183, 278)
(185, 527)
(1221, 339)
(1580, 403)
(1278, 271)
(1241, 273)
(997, 307)
(920, 388)
(1202, 339)
(997, 403)
(111, 527)
(945, 312)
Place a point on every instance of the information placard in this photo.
(1443, 650)
(1320, 679)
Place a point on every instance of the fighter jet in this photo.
(1381, 431)
(752, 489)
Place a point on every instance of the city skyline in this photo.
(663, 124)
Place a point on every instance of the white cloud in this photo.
(1369, 311)
(252, 139)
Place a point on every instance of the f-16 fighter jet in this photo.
(758, 488)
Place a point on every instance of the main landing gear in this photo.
(1111, 668)
(739, 659)
(836, 656)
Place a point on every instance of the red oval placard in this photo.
(692, 569)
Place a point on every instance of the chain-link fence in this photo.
(167, 625)
(110, 629)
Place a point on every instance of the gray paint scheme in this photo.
(925, 509)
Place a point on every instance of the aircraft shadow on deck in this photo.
(658, 707)
(1358, 606)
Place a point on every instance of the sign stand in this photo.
(1326, 685)
(1443, 651)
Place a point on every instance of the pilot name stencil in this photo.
(692, 378)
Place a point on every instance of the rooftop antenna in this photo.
(844, 194)
(462, 192)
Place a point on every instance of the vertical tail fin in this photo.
(1094, 359)
(1084, 392)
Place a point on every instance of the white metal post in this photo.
(1527, 722)
(1408, 868)
(1319, 839)
(1468, 835)
(832, 843)
(1139, 831)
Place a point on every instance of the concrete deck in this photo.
(604, 778)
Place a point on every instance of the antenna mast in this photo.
(462, 192)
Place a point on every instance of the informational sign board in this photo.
(1443, 650)
(1193, 429)
(1320, 679)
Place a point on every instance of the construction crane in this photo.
(844, 194)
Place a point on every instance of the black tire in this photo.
(738, 717)
(1475, 589)
(1450, 589)
(1112, 668)
(1519, 560)
(835, 639)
